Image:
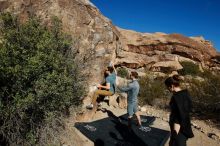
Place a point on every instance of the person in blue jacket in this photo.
(132, 89)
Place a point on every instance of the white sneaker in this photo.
(99, 104)
(145, 129)
(89, 106)
(106, 98)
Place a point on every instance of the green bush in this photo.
(206, 93)
(189, 68)
(39, 79)
(122, 72)
(153, 92)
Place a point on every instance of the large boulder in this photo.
(146, 49)
(95, 39)
(169, 65)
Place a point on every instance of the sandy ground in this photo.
(72, 137)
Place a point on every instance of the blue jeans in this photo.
(132, 108)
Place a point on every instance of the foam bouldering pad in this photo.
(113, 131)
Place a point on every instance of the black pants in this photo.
(177, 140)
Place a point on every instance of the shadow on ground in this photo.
(113, 131)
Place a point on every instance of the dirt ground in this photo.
(72, 137)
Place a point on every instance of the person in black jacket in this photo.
(181, 106)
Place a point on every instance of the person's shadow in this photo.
(129, 138)
(99, 142)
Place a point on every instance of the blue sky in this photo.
(187, 17)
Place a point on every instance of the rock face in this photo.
(145, 49)
(97, 41)
(216, 62)
(163, 65)
(95, 38)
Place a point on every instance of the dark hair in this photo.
(134, 74)
(111, 69)
(174, 80)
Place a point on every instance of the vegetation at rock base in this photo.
(205, 92)
(122, 72)
(153, 92)
(189, 68)
(39, 79)
(203, 86)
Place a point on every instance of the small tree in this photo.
(39, 78)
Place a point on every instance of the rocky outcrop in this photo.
(172, 65)
(146, 49)
(94, 36)
(4, 4)
(97, 41)
(216, 62)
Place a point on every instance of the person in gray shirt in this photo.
(132, 90)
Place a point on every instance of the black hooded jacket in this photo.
(181, 106)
